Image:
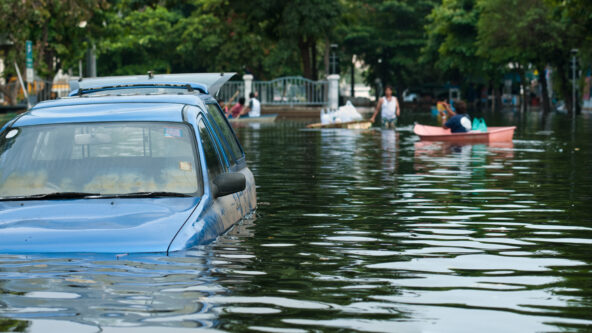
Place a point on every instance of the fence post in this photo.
(333, 91)
(248, 80)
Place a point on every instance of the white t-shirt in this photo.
(389, 108)
(255, 107)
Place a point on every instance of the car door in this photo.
(226, 209)
(235, 153)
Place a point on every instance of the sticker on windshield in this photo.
(185, 166)
(173, 132)
(12, 133)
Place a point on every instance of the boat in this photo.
(267, 118)
(356, 124)
(493, 134)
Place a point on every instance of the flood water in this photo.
(356, 231)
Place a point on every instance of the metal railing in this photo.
(292, 90)
(231, 91)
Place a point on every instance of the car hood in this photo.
(92, 225)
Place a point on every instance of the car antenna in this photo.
(189, 87)
(150, 76)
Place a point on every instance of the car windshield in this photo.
(98, 158)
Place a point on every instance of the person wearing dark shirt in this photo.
(460, 121)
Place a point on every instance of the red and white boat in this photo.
(493, 134)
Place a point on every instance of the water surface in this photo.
(356, 230)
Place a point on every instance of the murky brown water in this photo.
(356, 230)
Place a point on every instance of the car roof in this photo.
(110, 108)
(207, 83)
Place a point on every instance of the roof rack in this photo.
(188, 86)
(207, 83)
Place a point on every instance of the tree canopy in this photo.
(402, 42)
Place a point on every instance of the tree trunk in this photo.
(313, 51)
(307, 54)
(545, 90)
(564, 86)
(353, 80)
(326, 56)
(305, 57)
(13, 93)
(497, 96)
(9, 94)
(491, 85)
(523, 95)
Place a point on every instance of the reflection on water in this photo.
(356, 230)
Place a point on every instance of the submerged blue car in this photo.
(126, 165)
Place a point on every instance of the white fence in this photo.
(290, 90)
(231, 91)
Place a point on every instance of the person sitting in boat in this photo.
(460, 121)
(236, 110)
(223, 106)
(444, 110)
(254, 108)
(389, 108)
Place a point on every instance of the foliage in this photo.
(292, 26)
(54, 28)
(520, 31)
(138, 40)
(193, 36)
(404, 43)
(388, 36)
(452, 32)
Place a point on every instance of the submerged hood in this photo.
(92, 225)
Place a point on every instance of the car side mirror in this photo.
(228, 183)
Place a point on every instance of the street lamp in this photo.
(333, 59)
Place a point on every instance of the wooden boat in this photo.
(357, 124)
(267, 118)
(493, 134)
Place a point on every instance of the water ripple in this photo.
(356, 231)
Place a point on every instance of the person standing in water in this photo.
(388, 107)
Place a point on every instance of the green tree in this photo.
(521, 32)
(388, 36)
(56, 28)
(293, 26)
(134, 41)
(575, 19)
(452, 31)
(451, 46)
(176, 36)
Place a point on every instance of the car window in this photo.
(213, 160)
(104, 158)
(225, 130)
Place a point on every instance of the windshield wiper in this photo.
(154, 194)
(53, 195)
